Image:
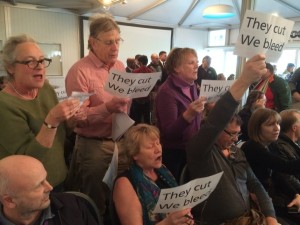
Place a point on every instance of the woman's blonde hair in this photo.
(134, 136)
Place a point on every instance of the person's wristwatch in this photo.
(49, 125)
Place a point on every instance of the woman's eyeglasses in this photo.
(33, 64)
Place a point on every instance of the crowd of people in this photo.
(174, 129)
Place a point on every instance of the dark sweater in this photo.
(230, 199)
(262, 162)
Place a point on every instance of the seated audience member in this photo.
(288, 73)
(263, 130)
(221, 76)
(294, 84)
(212, 150)
(155, 64)
(32, 119)
(276, 89)
(140, 107)
(25, 196)
(231, 77)
(136, 191)
(178, 107)
(205, 71)
(162, 61)
(162, 58)
(255, 99)
(130, 62)
(287, 187)
(136, 57)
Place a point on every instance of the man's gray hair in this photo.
(102, 23)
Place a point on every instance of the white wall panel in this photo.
(51, 28)
(196, 39)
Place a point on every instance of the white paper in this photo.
(61, 93)
(121, 122)
(82, 96)
(131, 85)
(187, 195)
(263, 33)
(214, 89)
(112, 170)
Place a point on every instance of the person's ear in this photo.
(91, 42)
(176, 69)
(10, 69)
(8, 201)
(294, 127)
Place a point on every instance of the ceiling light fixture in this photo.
(218, 12)
(108, 3)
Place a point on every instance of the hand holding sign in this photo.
(263, 33)
(194, 109)
(180, 217)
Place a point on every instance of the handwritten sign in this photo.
(214, 89)
(187, 195)
(121, 122)
(133, 85)
(263, 33)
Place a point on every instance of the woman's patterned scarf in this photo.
(148, 192)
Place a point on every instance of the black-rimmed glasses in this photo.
(111, 42)
(235, 135)
(33, 64)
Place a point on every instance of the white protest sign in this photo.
(61, 93)
(112, 170)
(214, 89)
(121, 122)
(263, 33)
(187, 195)
(132, 85)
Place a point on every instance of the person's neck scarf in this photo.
(263, 85)
(148, 192)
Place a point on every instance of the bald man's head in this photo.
(18, 172)
(155, 58)
(23, 184)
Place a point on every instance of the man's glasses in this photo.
(33, 64)
(111, 42)
(235, 135)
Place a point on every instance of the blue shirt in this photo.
(43, 220)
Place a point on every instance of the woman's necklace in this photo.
(22, 96)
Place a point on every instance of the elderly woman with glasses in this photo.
(32, 120)
(136, 191)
